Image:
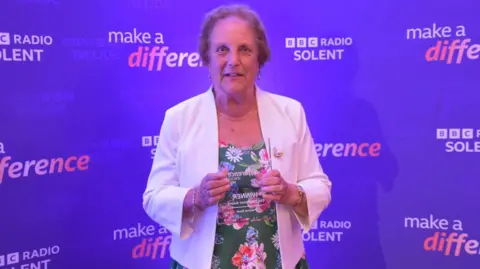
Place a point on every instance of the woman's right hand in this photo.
(212, 189)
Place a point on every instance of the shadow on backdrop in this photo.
(337, 115)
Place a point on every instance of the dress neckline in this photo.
(226, 144)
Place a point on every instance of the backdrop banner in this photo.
(392, 95)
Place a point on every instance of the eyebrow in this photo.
(217, 44)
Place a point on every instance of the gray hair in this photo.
(240, 11)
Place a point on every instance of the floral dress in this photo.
(246, 233)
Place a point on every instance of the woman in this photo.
(236, 176)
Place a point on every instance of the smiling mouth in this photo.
(233, 75)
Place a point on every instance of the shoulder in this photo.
(187, 106)
(287, 112)
(287, 106)
(180, 116)
(283, 99)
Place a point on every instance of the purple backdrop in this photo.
(391, 90)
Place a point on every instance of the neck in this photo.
(235, 105)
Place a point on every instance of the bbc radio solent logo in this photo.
(150, 142)
(37, 258)
(318, 48)
(148, 241)
(151, 53)
(449, 44)
(16, 169)
(327, 231)
(23, 48)
(448, 238)
(460, 139)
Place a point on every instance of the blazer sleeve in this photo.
(163, 197)
(311, 177)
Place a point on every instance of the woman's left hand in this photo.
(273, 187)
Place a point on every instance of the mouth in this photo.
(233, 74)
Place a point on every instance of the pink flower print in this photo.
(260, 256)
(263, 205)
(239, 223)
(264, 160)
(227, 213)
(263, 156)
(244, 258)
(252, 202)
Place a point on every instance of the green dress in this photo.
(246, 234)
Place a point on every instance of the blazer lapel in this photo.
(206, 135)
(267, 112)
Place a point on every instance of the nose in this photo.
(233, 58)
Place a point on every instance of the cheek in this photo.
(252, 68)
(251, 62)
(217, 63)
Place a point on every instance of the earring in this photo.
(258, 75)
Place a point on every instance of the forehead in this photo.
(232, 30)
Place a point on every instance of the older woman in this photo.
(236, 176)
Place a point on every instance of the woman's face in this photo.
(233, 56)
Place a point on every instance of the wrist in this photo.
(191, 209)
(293, 194)
(196, 202)
(188, 204)
(298, 195)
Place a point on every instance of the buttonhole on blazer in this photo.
(277, 153)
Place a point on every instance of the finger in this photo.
(222, 173)
(272, 173)
(270, 181)
(272, 197)
(216, 184)
(262, 175)
(219, 190)
(273, 188)
(218, 175)
(215, 199)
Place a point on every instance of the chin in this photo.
(235, 88)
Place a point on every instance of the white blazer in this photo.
(187, 150)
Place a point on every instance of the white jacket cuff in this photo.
(166, 208)
(317, 194)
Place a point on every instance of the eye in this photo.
(222, 49)
(245, 49)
